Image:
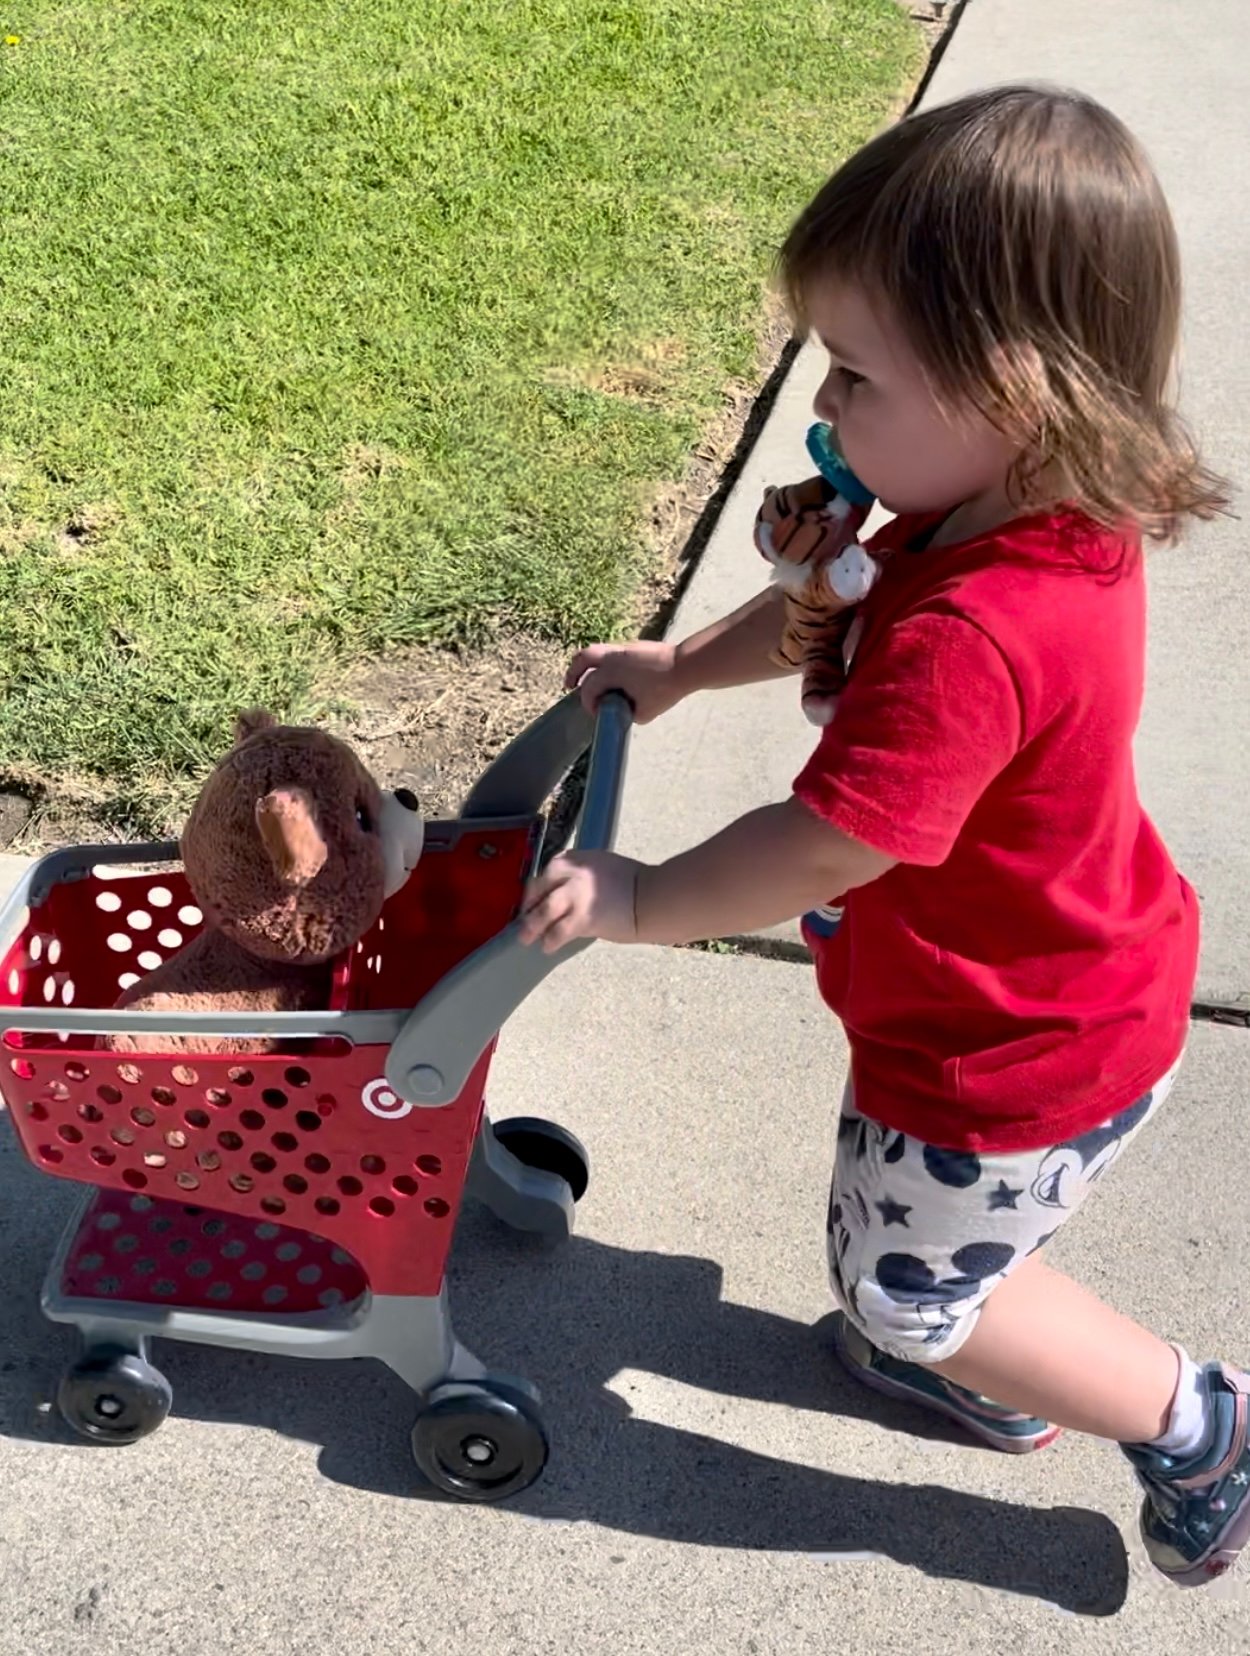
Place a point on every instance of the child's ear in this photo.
(251, 723)
(1025, 388)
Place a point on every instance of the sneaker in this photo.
(1196, 1515)
(1001, 1428)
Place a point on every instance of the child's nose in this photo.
(827, 403)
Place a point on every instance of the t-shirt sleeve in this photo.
(930, 717)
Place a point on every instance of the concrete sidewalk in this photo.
(716, 1486)
(1178, 75)
(11, 870)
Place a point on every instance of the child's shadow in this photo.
(570, 1321)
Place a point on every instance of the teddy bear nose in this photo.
(407, 799)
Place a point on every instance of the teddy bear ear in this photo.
(250, 723)
(290, 834)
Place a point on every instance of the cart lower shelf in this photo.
(143, 1251)
(132, 1267)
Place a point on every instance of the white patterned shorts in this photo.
(919, 1237)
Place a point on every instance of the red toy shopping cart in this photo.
(301, 1201)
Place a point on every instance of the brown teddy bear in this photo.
(291, 850)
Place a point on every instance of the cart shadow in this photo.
(572, 1321)
(595, 1311)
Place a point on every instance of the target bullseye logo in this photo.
(381, 1099)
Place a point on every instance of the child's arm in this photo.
(656, 676)
(771, 865)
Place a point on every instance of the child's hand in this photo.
(644, 672)
(585, 894)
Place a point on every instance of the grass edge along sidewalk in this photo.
(385, 333)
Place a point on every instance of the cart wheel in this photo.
(114, 1397)
(479, 1440)
(551, 1149)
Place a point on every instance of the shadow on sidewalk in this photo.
(571, 1321)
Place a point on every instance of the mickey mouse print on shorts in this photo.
(918, 1236)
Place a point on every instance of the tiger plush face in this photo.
(807, 532)
(801, 525)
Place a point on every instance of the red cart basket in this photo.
(301, 1201)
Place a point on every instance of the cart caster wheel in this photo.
(548, 1148)
(479, 1440)
(114, 1397)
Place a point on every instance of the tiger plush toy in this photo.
(807, 532)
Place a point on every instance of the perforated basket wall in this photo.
(306, 1140)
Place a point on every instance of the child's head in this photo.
(1003, 273)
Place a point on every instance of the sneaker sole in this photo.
(1001, 1441)
(1215, 1563)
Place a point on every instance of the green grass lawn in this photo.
(333, 327)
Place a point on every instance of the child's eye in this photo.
(850, 378)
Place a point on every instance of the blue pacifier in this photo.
(833, 468)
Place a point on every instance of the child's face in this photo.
(914, 454)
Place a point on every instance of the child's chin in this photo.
(905, 506)
(895, 505)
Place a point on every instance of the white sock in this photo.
(1188, 1427)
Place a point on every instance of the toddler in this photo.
(996, 283)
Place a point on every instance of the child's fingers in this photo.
(564, 931)
(582, 663)
(533, 922)
(555, 874)
(533, 896)
(544, 909)
(591, 690)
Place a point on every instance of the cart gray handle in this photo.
(448, 1030)
(518, 781)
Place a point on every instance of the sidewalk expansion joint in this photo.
(1232, 1013)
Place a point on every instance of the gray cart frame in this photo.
(477, 1437)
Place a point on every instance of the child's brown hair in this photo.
(1022, 238)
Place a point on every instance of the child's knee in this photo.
(915, 1330)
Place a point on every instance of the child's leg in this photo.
(934, 1256)
(922, 1240)
(1047, 1347)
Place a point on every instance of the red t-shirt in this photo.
(1025, 971)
